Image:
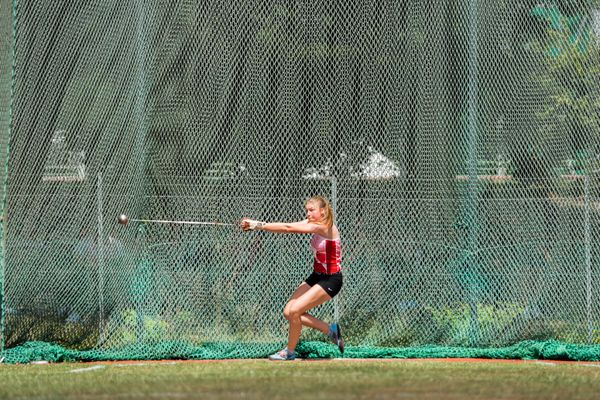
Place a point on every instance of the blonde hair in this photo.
(322, 202)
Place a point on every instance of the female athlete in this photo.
(322, 284)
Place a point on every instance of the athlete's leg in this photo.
(315, 323)
(306, 319)
(300, 290)
(311, 298)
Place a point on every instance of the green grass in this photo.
(331, 379)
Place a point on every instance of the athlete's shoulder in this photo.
(335, 232)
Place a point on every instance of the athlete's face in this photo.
(314, 213)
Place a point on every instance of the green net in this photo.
(458, 140)
(526, 350)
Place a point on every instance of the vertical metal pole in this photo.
(336, 313)
(5, 183)
(334, 196)
(100, 259)
(472, 154)
(588, 256)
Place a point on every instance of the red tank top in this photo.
(327, 254)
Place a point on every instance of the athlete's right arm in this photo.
(284, 227)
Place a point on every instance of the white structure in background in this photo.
(62, 164)
(224, 169)
(376, 167)
(596, 22)
(323, 172)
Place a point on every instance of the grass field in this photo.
(330, 379)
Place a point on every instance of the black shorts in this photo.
(331, 283)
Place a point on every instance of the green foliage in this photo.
(565, 32)
(451, 324)
(571, 78)
(454, 324)
(79, 335)
(133, 327)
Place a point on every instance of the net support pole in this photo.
(588, 256)
(4, 213)
(334, 207)
(100, 258)
(472, 165)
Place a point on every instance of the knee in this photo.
(286, 313)
(292, 313)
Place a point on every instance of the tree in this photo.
(571, 78)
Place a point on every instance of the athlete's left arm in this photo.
(294, 227)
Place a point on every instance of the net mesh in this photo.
(458, 140)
